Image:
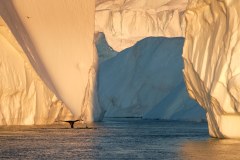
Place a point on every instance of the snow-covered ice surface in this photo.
(116, 139)
(145, 81)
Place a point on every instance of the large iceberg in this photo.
(211, 50)
(48, 57)
(24, 98)
(211, 59)
(58, 38)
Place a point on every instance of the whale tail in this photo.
(71, 122)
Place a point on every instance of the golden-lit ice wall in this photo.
(24, 98)
(125, 22)
(58, 38)
(211, 58)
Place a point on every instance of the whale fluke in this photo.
(71, 122)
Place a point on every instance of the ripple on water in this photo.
(116, 139)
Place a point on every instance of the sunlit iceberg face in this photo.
(58, 39)
(24, 98)
(126, 22)
(211, 55)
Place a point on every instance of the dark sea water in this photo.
(116, 139)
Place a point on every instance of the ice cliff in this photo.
(24, 98)
(211, 62)
(56, 38)
(124, 22)
(149, 82)
(211, 49)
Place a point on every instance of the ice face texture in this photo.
(211, 59)
(149, 82)
(24, 98)
(58, 38)
(125, 22)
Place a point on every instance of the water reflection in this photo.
(213, 149)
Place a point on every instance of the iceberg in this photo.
(49, 62)
(149, 82)
(58, 39)
(211, 63)
(210, 54)
(125, 22)
(24, 98)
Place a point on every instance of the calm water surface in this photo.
(116, 139)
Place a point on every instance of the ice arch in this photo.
(210, 52)
(211, 57)
(211, 48)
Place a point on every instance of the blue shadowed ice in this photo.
(145, 81)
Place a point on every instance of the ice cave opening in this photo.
(145, 81)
